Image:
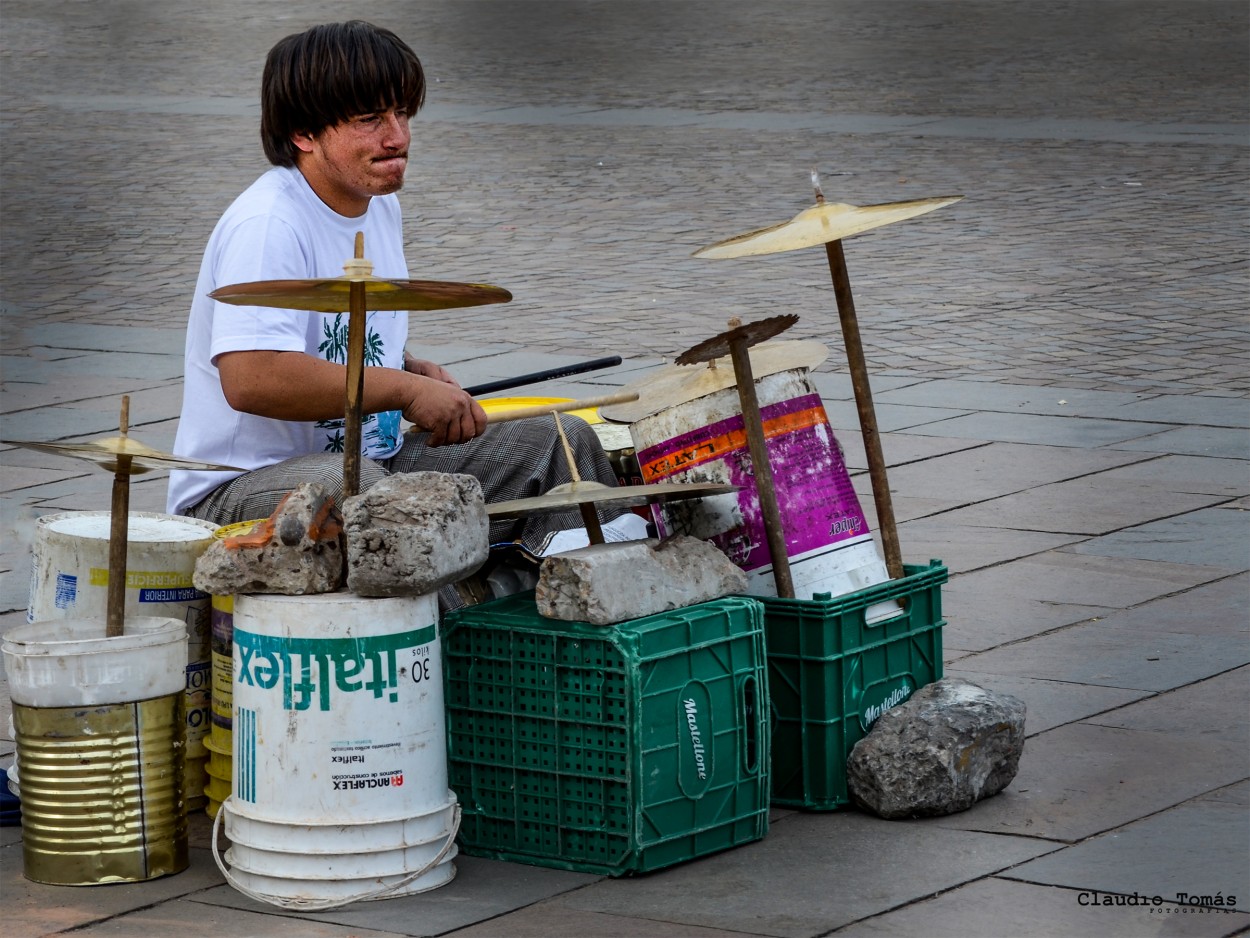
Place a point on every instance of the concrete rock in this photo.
(952, 744)
(607, 583)
(414, 532)
(294, 552)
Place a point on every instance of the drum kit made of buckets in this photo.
(124, 681)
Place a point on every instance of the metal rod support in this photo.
(753, 423)
(863, 404)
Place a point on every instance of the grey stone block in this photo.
(295, 552)
(952, 744)
(414, 532)
(607, 583)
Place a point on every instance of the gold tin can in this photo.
(102, 791)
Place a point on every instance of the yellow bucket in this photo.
(495, 405)
(221, 706)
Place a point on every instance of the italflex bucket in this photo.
(100, 733)
(340, 760)
(69, 579)
(828, 543)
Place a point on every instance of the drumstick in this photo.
(542, 410)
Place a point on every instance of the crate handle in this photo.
(750, 709)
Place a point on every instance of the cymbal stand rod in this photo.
(863, 404)
(590, 517)
(753, 423)
(119, 521)
(356, 319)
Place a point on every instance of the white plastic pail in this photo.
(829, 546)
(339, 750)
(69, 579)
(100, 735)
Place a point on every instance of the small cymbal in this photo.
(820, 224)
(753, 333)
(573, 494)
(676, 384)
(333, 295)
(105, 452)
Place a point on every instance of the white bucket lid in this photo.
(140, 526)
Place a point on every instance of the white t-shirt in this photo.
(278, 229)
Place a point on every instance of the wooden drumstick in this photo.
(542, 410)
(590, 517)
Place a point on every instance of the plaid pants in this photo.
(516, 459)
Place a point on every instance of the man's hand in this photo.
(439, 406)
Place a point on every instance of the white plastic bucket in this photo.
(339, 736)
(69, 579)
(100, 735)
(828, 543)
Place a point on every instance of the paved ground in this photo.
(1060, 363)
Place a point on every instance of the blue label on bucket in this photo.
(312, 668)
(66, 590)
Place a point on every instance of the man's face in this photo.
(350, 162)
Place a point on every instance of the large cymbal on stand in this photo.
(677, 384)
(575, 494)
(355, 293)
(333, 295)
(105, 453)
(820, 224)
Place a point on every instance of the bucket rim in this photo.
(46, 521)
(321, 823)
(23, 640)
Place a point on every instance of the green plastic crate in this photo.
(831, 674)
(607, 749)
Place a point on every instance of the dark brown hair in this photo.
(329, 74)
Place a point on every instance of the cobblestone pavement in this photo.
(1061, 362)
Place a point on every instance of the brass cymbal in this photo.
(676, 384)
(105, 452)
(573, 494)
(820, 224)
(332, 295)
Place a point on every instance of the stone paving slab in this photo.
(1216, 538)
(1186, 711)
(1017, 399)
(1100, 653)
(1079, 780)
(1208, 475)
(1180, 408)
(997, 469)
(899, 449)
(1193, 441)
(849, 866)
(70, 388)
(190, 919)
(482, 890)
(999, 906)
(550, 920)
(1051, 703)
(965, 548)
(1085, 432)
(1082, 506)
(1036, 594)
(37, 909)
(1197, 849)
(75, 336)
(891, 418)
(1215, 608)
